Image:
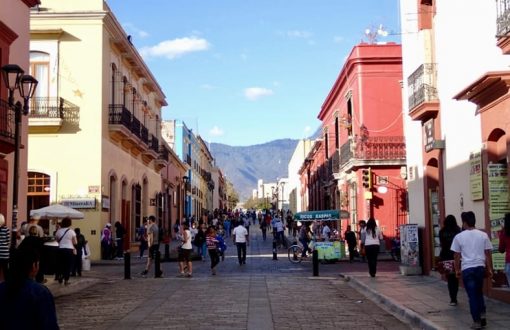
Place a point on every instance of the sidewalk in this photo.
(422, 301)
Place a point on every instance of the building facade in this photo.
(456, 125)
(95, 125)
(294, 184)
(14, 49)
(356, 165)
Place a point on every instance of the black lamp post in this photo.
(14, 78)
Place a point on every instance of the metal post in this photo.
(315, 260)
(275, 254)
(157, 264)
(127, 265)
(15, 175)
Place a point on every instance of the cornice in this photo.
(6, 34)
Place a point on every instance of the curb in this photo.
(407, 315)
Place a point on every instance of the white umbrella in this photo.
(57, 211)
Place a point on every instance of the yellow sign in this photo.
(498, 206)
(475, 176)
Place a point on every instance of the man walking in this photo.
(350, 238)
(153, 242)
(241, 239)
(475, 249)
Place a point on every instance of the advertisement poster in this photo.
(409, 245)
(475, 176)
(328, 250)
(498, 206)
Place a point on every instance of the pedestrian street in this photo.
(263, 294)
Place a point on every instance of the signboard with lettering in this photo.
(79, 203)
(475, 175)
(428, 134)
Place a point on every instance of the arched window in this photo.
(40, 70)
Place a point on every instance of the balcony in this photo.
(377, 150)
(119, 122)
(7, 127)
(423, 98)
(50, 114)
(503, 25)
(152, 152)
(162, 159)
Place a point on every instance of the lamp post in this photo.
(15, 79)
(185, 179)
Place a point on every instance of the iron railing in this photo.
(144, 133)
(163, 153)
(422, 85)
(136, 127)
(374, 148)
(154, 144)
(119, 115)
(7, 121)
(50, 107)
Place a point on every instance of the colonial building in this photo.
(95, 125)
(356, 165)
(14, 49)
(457, 150)
(294, 184)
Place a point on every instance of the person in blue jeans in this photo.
(475, 249)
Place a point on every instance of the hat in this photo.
(36, 217)
(108, 224)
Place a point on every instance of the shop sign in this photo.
(498, 206)
(428, 135)
(80, 203)
(475, 176)
(105, 202)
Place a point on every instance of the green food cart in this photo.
(331, 250)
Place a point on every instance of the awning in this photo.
(321, 215)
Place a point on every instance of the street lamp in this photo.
(185, 179)
(14, 78)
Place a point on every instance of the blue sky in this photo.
(244, 72)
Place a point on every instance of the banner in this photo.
(410, 250)
(329, 250)
(475, 176)
(498, 206)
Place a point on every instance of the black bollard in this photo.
(157, 264)
(315, 260)
(275, 254)
(167, 252)
(127, 265)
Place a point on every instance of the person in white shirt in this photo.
(241, 239)
(185, 251)
(326, 231)
(66, 238)
(475, 249)
(372, 238)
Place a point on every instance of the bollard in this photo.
(167, 252)
(157, 264)
(127, 265)
(315, 260)
(275, 255)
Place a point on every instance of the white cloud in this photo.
(216, 131)
(175, 48)
(299, 34)
(255, 93)
(307, 129)
(208, 87)
(338, 39)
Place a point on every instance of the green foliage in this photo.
(256, 203)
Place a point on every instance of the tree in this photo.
(256, 203)
(232, 195)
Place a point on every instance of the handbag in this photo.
(445, 267)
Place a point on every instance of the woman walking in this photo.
(504, 245)
(446, 235)
(372, 241)
(66, 238)
(212, 248)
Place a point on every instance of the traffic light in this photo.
(366, 178)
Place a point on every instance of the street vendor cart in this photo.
(334, 248)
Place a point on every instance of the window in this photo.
(326, 145)
(337, 138)
(40, 69)
(38, 184)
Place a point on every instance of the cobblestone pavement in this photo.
(263, 294)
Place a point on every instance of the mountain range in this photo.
(243, 166)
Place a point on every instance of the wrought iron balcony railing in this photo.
(119, 115)
(54, 108)
(144, 133)
(136, 127)
(7, 124)
(154, 144)
(503, 17)
(163, 154)
(374, 148)
(422, 85)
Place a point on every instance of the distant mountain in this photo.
(244, 166)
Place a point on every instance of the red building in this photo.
(359, 163)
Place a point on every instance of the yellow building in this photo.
(95, 125)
